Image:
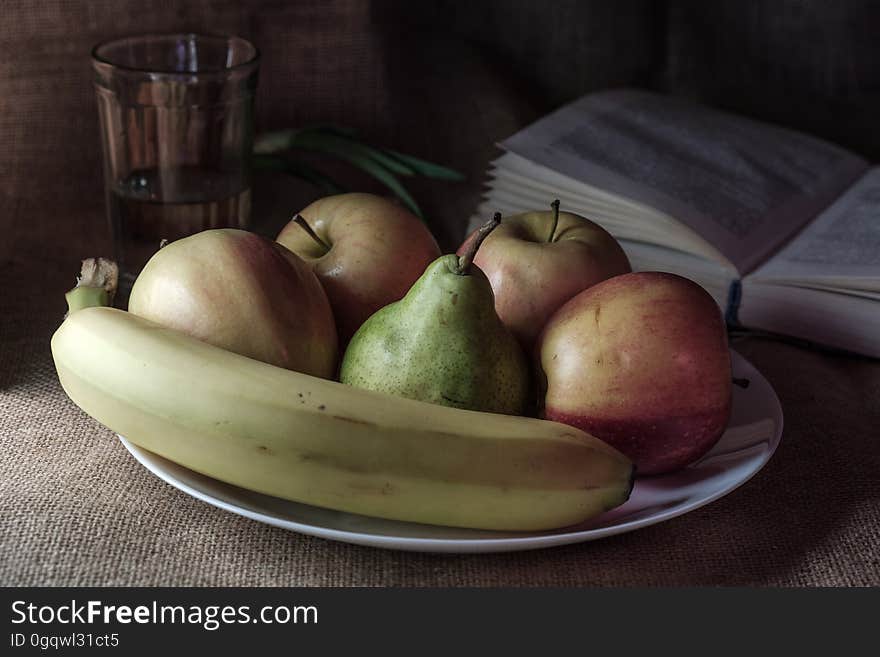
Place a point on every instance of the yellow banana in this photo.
(315, 441)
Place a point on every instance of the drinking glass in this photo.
(176, 115)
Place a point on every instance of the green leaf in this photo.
(349, 152)
(267, 143)
(425, 168)
(390, 163)
(331, 143)
(273, 142)
(299, 170)
(387, 178)
(327, 137)
(381, 163)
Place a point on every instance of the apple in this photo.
(366, 250)
(640, 361)
(243, 293)
(536, 261)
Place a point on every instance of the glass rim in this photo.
(248, 63)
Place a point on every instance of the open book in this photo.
(783, 229)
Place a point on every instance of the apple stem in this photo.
(742, 383)
(299, 220)
(466, 258)
(555, 206)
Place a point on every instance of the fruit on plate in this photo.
(320, 442)
(640, 361)
(241, 292)
(536, 261)
(366, 250)
(442, 343)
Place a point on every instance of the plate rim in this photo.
(465, 545)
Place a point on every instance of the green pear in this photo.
(443, 342)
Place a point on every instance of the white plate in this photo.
(750, 440)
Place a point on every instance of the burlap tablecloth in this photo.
(76, 509)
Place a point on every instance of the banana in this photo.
(323, 443)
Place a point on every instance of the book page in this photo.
(533, 184)
(838, 320)
(743, 186)
(839, 247)
(712, 277)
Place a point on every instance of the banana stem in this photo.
(95, 285)
(86, 297)
(466, 258)
(302, 223)
(555, 206)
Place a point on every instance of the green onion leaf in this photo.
(299, 170)
(273, 142)
(425, 168)
(357, 157)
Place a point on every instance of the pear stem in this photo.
(466, 258)
(555, 206)
(299, 220)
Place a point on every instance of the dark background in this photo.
(438, 78)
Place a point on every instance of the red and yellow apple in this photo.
(366, 250)
(640, 361)
(536, 264)
(243, 293)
